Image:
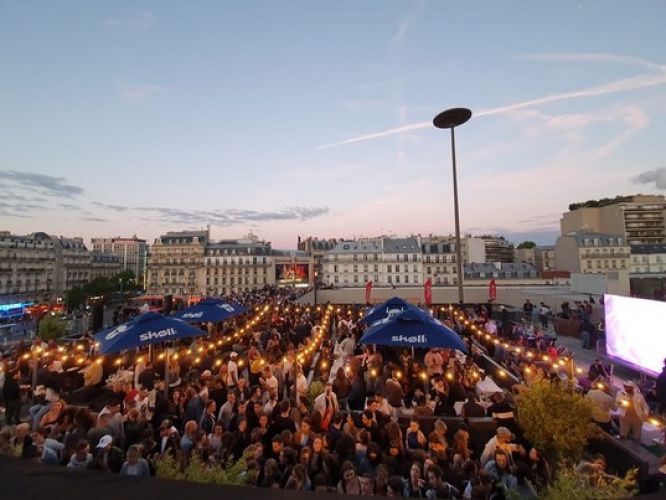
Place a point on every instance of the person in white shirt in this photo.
(232, 371)
(633, 411)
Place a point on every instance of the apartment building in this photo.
(176, 263)
(587, 252)
(237, 266)
(648, 259)
(104, 265)
(640, 219)
(133, 252)
(544, 258)
(72, 264)
(27, 267)
(439, 261)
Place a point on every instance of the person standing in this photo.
(633, 410)
(12, 396)
(602, 404)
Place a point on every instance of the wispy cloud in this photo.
(596, 57)
(141, 21)
(658, 176)
(69, 207)
(646, 80)
(117, 208)
(95, 219)
(232, 216)
(138, 93)
(41, 183)
(406, 24)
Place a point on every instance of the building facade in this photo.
(27, 268)
(503, 271)
(104, 265)
(233, 266)
(439, 261)
(586, 253)
(133, 252)
(640, 219)
(481, 249)
(353, 263)
(525, 255)
(72, 265)
(544, 259)
(648, 259)
(176, 263)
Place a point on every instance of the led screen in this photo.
(291, 274)
(635, 331)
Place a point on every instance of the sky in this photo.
(315, 118)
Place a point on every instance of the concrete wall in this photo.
(509, 295)
(614, 282)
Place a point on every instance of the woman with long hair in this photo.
(349, 483)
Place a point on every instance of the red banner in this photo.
(428, 291)
(368, 292)
(492, 290)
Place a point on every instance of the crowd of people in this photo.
(343, 417)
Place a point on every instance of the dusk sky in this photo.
(315, 118)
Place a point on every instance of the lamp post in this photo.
(451, 118)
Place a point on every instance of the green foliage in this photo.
(573, 484)
(99, 286)
(51, 328)
(603, 202)
(555, 420)
(527, 244)
(316, 388)
(231, 473)
(126, 281)
(75, 297)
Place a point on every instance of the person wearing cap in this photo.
(107, 456)
(502, 441)
(633, 410)
(232, 371)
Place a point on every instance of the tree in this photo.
(75, 297)
(527, 244)
(557, 421)
(125, 281)
(51, 328)
(99, 286)
(574, 484)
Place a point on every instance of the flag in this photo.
(368, 291)
(492, 290)
(428, 291)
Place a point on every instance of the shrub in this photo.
(316, 388)
(230, 473)
(573, 484)
(51, 328)
(555, 420)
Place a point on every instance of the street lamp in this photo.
(451, 118)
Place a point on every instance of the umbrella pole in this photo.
(166, 373)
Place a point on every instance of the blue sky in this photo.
(313, 118)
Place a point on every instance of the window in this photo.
(376, 269)
(335, 268)
(429, 270)
(355, 268)
(335, 278)
(397, 268)
(416, 278)
(355, 278)
(389, 279)
(389, 269)
(406, 279)
(414, 257)
(397, 279)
